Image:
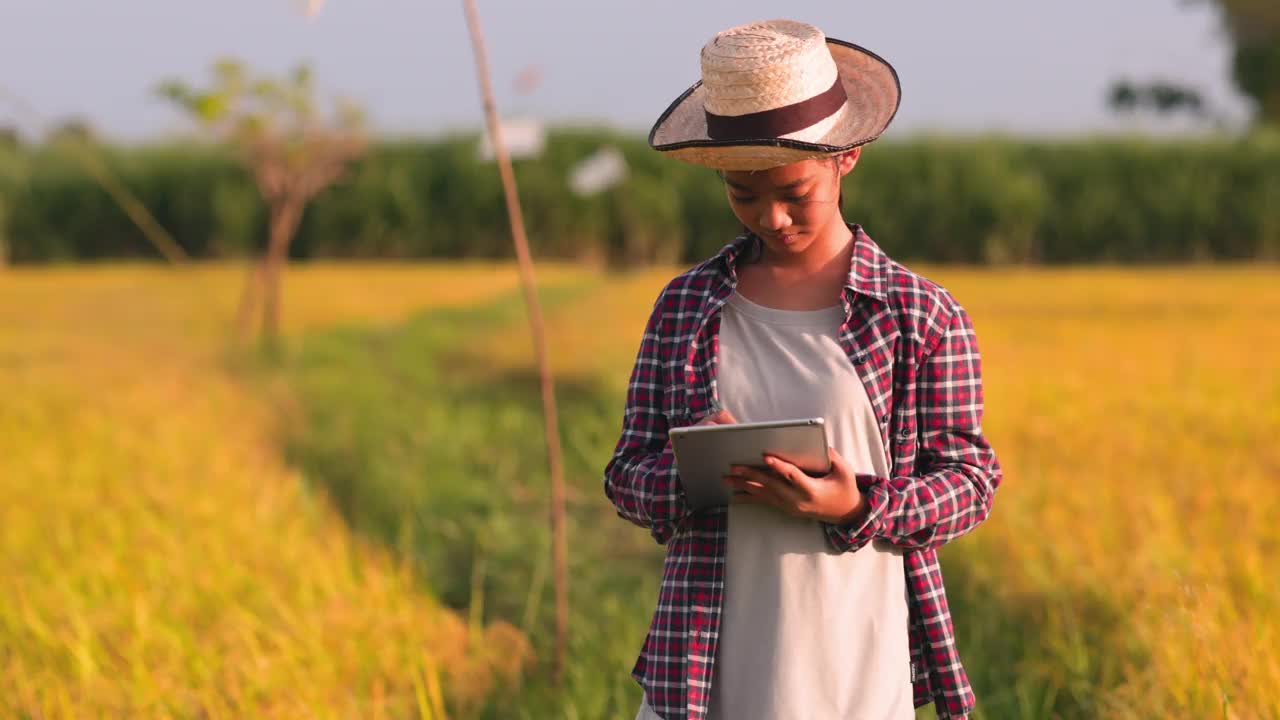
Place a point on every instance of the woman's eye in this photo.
(745, 199)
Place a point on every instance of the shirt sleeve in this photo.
(958, 472)
(641, 479)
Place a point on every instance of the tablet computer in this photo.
(704, 453)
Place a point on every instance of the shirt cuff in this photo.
(848, 537)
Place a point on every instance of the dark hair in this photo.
(755, 248)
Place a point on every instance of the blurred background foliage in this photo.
(966, 200)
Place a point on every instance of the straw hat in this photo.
(777, 92)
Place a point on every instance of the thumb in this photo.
(723, 417)
(839, 466)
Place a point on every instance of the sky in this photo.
(983, 66)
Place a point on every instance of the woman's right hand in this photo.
(724, 417)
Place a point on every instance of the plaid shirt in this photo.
(914, 348)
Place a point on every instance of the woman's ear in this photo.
(846, 161)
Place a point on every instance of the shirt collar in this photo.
(867, 268)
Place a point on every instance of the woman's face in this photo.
(791, 206)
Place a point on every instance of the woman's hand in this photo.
(724, 417)
(832, 498)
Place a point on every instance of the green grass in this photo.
(424, 450)
(160, 557)
(1124, 571)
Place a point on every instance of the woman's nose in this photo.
(774, 217)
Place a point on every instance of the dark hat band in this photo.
(778, 121)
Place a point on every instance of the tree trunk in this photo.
(4, 239)
(249, 301)
(284, 223)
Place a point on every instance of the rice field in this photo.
(1131, 565)
(158, 557)
(162, 554)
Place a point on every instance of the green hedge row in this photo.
(948, 200)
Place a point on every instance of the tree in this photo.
(1161, 97)
(292, 152)
(13, 175)
(73, 130)
(10, 138)
(77, 136)
(1254, 26)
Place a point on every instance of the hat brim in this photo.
(873, 91)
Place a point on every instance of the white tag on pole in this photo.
(601, 171)
(524, 138)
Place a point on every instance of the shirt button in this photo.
(859, 358)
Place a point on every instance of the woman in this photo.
(806, 597)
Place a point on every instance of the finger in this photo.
(798, 481)
(763, 493)
(794, 470)
(838, 464)
(723, 417)
(759, 475)
(782, 467)
(779, 487)
(734, 483)
(756, 484)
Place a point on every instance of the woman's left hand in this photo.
(832, 498)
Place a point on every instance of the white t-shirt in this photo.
(805, 632)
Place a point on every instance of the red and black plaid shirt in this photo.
(914, 348)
